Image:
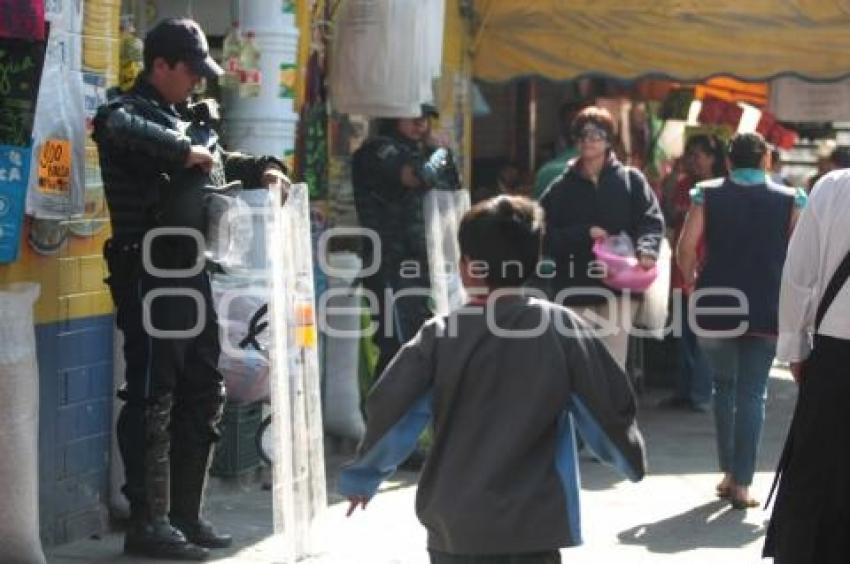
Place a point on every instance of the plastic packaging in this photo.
(343, 417)
(232, 57)
(244, 360)
(19, 526)
(250, 74)
(443, 211)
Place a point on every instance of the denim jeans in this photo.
(694, 378)
(741, 367)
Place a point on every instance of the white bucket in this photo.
(275, 137)
(278, 68)
(267, 14)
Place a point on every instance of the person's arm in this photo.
(687, 247)
(602, 402)
(647, 219)
(798, 293)
(121, 128)
(254, 172)
(398, 409)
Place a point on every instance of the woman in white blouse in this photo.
(811, 518)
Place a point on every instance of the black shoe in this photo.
(160, 540)
(202, 533)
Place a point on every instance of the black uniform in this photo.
(174, 392)
(395, 213)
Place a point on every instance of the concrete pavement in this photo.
(671, 516)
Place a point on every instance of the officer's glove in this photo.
(439, 171)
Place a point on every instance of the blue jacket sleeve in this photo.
(602, 403)
(398, 410)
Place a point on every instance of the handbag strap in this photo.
(839, 277)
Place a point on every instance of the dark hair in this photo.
(506, 233)
(746, 150)
(840, 157)
(599, 117)
(710, 145)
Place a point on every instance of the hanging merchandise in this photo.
(250, 74)
(232, 57)
(57, 176)
(131, 56)
(775, 133)
(720, 112)
(22, 19)
(385, 56)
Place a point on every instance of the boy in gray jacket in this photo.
(504, 382)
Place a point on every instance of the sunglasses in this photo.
(592, 134)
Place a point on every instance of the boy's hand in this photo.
(354, 501)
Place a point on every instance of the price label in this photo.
(54, 166)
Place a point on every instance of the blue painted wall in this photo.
(75, 371)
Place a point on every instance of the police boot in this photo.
(190, 462)
(150, 534)
(156, 538)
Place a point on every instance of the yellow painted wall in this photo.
(71, 281)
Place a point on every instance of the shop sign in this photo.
(54, 166)
(20, 72)
(14, 174)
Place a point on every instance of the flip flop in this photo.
(723, 492)
(745, 503)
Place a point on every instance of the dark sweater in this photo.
(502, 474)
(623, 202)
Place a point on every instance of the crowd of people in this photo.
(500, 479)
(730, 217)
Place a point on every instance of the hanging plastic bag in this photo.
(652, 313)
(57, 177)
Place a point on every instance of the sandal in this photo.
(748, 503)
(723, 492)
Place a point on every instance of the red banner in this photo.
(22, 19)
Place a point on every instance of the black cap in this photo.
(429, 110)
(182, 39)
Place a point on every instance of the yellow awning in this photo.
(682, 39)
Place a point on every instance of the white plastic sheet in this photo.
(343, 417)
(282, 266)
(651, 315)
(443, 211)
(19, 426)
(385, 55)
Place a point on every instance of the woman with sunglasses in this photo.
(594, 197)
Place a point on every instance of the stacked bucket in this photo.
(266, 124)
(101, 48)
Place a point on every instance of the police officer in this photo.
(157, 154)
(391, 173)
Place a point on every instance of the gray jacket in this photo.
(501, 476)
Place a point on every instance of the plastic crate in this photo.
(236, 452)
